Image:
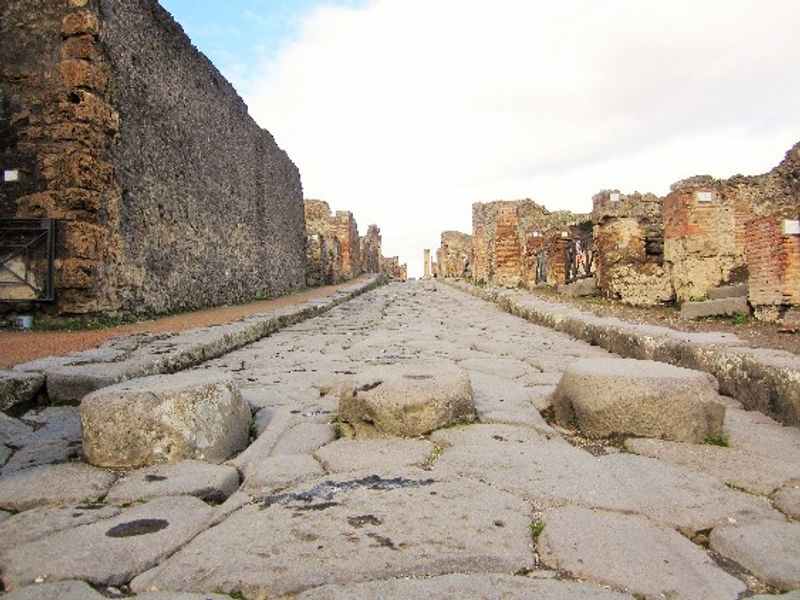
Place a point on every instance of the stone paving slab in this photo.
(632, 552)
(768, 549)
(69, 378)
(787, 500)
(767, 380)
(214, 483)
(110, 552)
(552, 472)
(488, 586)
(41, 522)
(377, 455)
(66, 483)
(278, 472)
(63, 590)
(353, 529)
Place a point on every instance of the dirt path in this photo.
(22, 346)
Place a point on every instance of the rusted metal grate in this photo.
(27, 257)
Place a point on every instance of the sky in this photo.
(405, 112)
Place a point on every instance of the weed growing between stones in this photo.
(739, 319)
(536, 527)
(427, 464)
(717, 439)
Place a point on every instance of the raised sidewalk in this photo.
(762, 379)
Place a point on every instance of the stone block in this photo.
(213, 483)
(164, 418)
(767, 548)
(715, 308)
(579, 288)
(604, 397)
(18, 388)
(406, 400)
(736, 290)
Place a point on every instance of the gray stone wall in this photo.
(212, 208)
(167, 194)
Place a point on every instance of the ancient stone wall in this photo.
(392, 268)
(772, 238)
(160, 180)
(502, 234)
(700, 250)
(346, 232)
(371, 250)
(628, 242)
(454, 254)
(323, 252)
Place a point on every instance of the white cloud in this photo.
(407, 111)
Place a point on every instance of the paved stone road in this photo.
(508, 507)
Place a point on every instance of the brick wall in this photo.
(700, 231)
(501, 232)
(346, 232)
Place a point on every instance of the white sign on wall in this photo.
(10, 175)
(704, 196)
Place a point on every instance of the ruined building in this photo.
(335, 252)
(504, 240)
(628, 242)
(323, 251)
(135, 164)
(705, 233)
(392, 268)
(371, 250)
(454, 256)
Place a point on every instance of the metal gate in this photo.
(579, 257)
(27, 257)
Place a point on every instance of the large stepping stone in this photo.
(208, 482)
(406, 400)
(631, 552)
(606, 397)
(110, 552)
(480, 586)
(768, 549)
(349, 529)
(66, 483)
(164, 418)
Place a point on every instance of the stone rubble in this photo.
(512, 505)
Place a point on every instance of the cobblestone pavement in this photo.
(506, 507)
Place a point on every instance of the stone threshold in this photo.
(762, 379)
(68, 378)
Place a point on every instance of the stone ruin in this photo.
(645, 250)
(336, 252)
(453, 258)
(115, 126)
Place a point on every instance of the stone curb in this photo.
(69, 378)
(762, 379)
